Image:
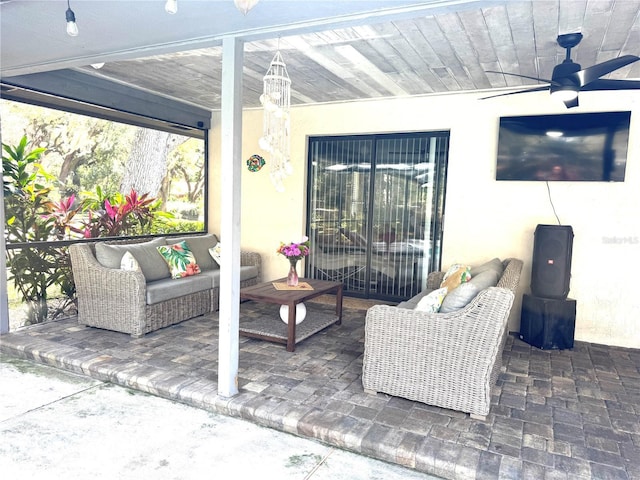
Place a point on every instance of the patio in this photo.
(556, 414)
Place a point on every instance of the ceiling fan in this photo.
(569, 78)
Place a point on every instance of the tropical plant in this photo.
(116, 214)
(31, 216)
(32, 270)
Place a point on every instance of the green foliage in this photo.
(83, 152)
(17, 167)
(80, 150)
(33, 217)
(187, 166)
(112, 215)
(33, 270)
(168, 225)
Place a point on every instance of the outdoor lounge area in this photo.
(569, 414)
(399, 114)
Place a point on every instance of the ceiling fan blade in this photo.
(590, 74)
(612, 85)
(535, 89)
(521, 76)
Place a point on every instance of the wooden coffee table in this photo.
(267, 293)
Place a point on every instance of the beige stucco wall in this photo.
(483, 218)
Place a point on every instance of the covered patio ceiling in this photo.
(335, 50)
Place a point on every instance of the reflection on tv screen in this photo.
(588, 147)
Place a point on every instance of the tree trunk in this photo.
(70, 163)
(146, 166)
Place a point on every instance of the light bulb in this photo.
(171, 6)
(245, 5)
(72, 27)
(564, 94)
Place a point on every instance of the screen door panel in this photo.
(375, 204)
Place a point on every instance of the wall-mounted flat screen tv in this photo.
(589, 147)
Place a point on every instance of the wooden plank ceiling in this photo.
(449, 52)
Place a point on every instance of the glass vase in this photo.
(292, 277)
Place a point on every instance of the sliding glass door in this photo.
(375, 205)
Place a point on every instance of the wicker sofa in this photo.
(451, 360)
(139, 302)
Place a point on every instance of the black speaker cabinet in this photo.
(551, 267)
(548, 323)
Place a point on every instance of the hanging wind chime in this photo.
(276, 100)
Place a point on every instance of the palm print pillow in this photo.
(180, 259)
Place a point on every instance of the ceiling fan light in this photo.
(564, 93)
(554, 133)
(245, 5)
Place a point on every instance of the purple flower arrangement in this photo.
(295, 251)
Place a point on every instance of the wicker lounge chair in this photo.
(451, 360)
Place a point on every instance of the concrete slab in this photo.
(55, 424)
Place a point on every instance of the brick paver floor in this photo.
(570, 414)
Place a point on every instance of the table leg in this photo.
(339, 304)
(291, 327)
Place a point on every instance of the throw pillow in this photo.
(486, 279)
(465, 292)
(413, 301)
(199, 246)
(180, 260)
(494, 264)
(152, 265)
(456, 275)
(431, 303)
(215, 253)
(129, 263)
(459, 297)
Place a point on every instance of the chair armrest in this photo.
(106, 292)
(251, 259)
(511, 276)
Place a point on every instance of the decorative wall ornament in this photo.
(276, 101)
(255, 163)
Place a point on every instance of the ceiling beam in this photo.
(110, 96)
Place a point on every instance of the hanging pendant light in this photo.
(245, 5)
(72, 27)
(276, 101)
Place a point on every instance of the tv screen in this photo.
(589, 147)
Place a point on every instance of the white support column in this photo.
(4, 299)
(231, 128)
